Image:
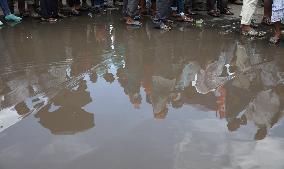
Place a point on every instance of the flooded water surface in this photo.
(92, 93)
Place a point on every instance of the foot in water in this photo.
(130, 21)
(12, 17)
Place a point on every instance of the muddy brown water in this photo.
(92, 93)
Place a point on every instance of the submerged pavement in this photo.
(93, 93)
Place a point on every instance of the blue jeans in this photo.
(5, 7)
(163, 9)
(179, 4)
(130, 8)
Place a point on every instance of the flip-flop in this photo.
(227, 12)
(184, 18)
(266, 21)
(213, 13)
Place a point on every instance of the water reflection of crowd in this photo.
(238, 82)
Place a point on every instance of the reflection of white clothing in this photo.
(263, 108)
(248, 10)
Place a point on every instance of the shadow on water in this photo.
(180, 97)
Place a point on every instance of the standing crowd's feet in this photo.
(247, 30)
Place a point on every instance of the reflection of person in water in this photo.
(164, 79)
(130, 76)
(262, 102)
(65, 114)
(262, 111)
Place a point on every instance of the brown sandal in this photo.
(213, 13)
(184, 18)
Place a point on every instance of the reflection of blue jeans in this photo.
(5, 7)
(97, 3)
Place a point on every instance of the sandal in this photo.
(227, 12)
(266, 21)
(213, 13)
(184, 18)
(50, 20)
(274, 40)
(131, 22)
(75, 12)
(164, 27)
(253, 33)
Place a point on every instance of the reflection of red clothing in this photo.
(221, 102)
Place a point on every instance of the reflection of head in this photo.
(94, 77)
(109, 77)
(82, 85)
(66, 115)
(66, 120)
(136, 100)
(261, 133)
(176, 100)
(234, 124)
(22, 108)
(162, 114)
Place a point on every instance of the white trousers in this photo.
(248, 10)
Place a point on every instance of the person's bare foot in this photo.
(246, 28)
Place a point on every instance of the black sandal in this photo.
(266, 21)
(213, 13)
(227, 12)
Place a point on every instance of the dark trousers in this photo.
(5, 7)
(72, 3)
(97, 3)
(130, 7)
(221, 4)
(49, 8)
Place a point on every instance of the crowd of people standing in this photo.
(161, 10)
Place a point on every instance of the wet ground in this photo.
(92, 93)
